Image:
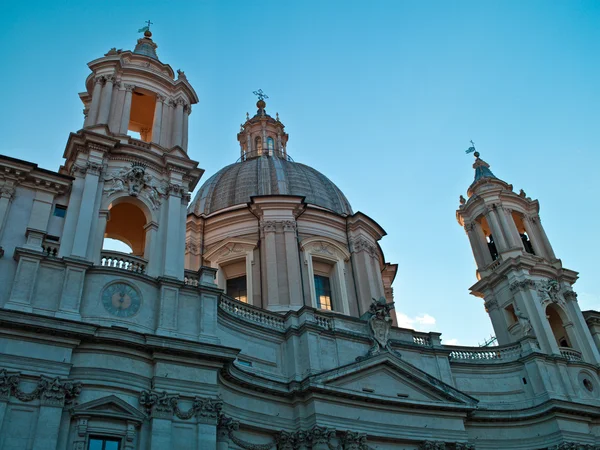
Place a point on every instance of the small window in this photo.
(323, 292)
(270, 144)
(236, 288)
(60, 210)
(104, 443)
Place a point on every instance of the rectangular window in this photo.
(104, 443)
(60, 210)
(236, 288)
(323, 292)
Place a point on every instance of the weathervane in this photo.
(260, 94)
(146, 28)
(471, 149)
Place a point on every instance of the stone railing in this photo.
(485, 354)
(251, 314)
(570, 354)
(324, 322)
(422, 339)
(191, 278)
(123, 261)
(50, 248)
(138, 143)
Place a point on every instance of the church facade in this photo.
(259, 314)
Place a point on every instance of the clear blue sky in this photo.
(381, 96)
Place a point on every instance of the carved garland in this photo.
(50, 391)
(163, 404)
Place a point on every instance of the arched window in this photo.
(491, 245)
(525, 238)
(258, 144)
(270, 145)
(126, 224)
(556, 317)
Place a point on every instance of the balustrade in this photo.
(251, 314)
(191, 278)
(570, 354)
(123, 261)
(485, 354)
(422, 339)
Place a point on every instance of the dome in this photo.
(267, 175)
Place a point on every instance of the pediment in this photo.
(387, 376)
(111, 406)
(178, 152)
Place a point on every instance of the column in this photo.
(542, 233)
(106, 98)
(207, 436)
(508, 226)
(38, 219)
(534, 237)
(95, 106)
(269, 229)
(580, 330)
(153, 268)
(293, 264)
(496, 230)
(161, 434)
(186, 116)
(178, 125)
(126, 115)
(86, 211)
(475, 245)
(7, 192)
(48, 426)
(103, 218)
(171, 235)
(66, 241)
(482, 244)
(158, 115)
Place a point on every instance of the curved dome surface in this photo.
(267, 175)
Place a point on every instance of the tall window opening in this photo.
(270, 145)
(491, 245)
(258, 145)
(520, 224)
(104, 443)
(323, 292)
(236, 288)
(141, 117)
(511, 315)
(126, 226)
(555, 319)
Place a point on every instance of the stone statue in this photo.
(524, 322)
(462, 200)
(522, 193)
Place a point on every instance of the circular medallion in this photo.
(121, 299)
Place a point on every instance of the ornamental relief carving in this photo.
(135, 182)
(50, 391)
(361, 244)
(522, 285)
(165, 405)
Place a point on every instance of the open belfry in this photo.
(259, 315)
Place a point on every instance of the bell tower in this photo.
(527, 291)
(132, 175)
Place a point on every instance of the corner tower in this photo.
(527, 291)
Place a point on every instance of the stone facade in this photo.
(151, 351)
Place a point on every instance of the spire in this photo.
(146, 46)
(482, 169)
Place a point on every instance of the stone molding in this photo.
(135, 182)
(574, 446)
(522, 285)
(165, 405)
(7, 191)
(192, 247)
(440, 445)
(360, 244)
(50, 391)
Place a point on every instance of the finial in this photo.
(277, 117)
(247, 116)
(260, 94)
(471, 149)
(146, 29)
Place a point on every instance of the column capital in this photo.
(129, 87)
(100, 79)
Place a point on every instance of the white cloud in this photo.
(452, 341)
(405, 321)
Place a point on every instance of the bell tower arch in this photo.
(527, 291)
